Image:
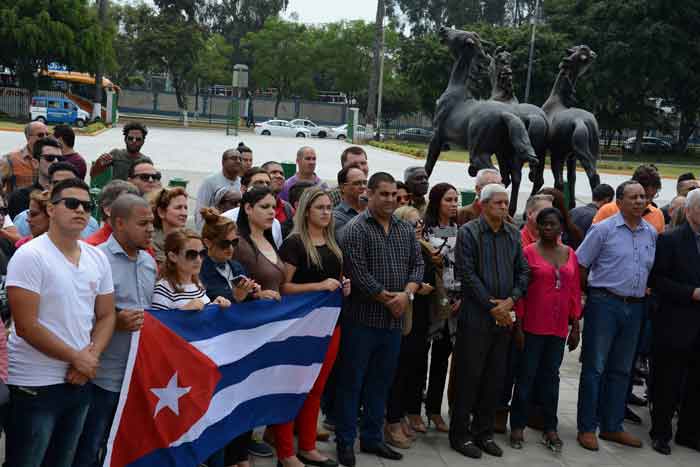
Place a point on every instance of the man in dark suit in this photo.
(676, 328)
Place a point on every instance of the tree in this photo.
(377, 63)
(34, 34)
(282, 58)
(214, 62)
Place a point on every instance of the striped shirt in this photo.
(166, 298)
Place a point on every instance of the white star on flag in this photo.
(169, 396)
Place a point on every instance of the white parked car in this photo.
(280, 128)
(361, 132)
(316, 130)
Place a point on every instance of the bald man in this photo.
(16, 168)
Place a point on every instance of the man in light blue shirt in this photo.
(616, 256)
(228, 177)
(134, 274)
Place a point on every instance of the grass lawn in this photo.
(91, 129)
(670, 165)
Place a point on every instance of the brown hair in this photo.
(41, 198)
(175, 242)
(162, 200)
(216, 227)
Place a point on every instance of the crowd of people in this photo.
(436, 297)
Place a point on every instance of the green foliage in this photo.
(214, 62)
(35, 33)
(402, 148)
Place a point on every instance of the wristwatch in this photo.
(410, 296)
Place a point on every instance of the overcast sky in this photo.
(325, 11)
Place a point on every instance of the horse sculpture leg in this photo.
(557, 161)
(519, 138)
(571, 179)
(585, 145)
(515, 177)
(433, 153)
(537, 131)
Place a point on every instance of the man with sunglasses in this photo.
(120, 159)
(145, 176)
(46, 151)
(134, 273)
(229, 177)
(352, 182)
(61, 297)
(17, 169)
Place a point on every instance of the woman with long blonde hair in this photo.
(313, 262)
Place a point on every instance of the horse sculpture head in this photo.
(462, 42)
(501, 74)
(577, 61)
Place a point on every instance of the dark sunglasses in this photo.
(224, 244)
(191, 255)
(4, 211)
(52, 158)
(148, 177)
(73, 203)
(415, 224)
(134, 139)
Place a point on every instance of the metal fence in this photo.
(15, 102)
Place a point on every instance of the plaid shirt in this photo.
(336, 196)
(377, 261)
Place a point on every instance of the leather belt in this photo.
(605, 291)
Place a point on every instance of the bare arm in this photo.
(11, 234)
(105, 321)
(290, 287)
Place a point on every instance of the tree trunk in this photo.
(278, 98)
(686, 130)
(371, 114)
(638, 140)
(97, 99)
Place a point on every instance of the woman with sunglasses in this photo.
(169, 214)
(220, 274)
(179, 286)
(37, 216)
(313, 262)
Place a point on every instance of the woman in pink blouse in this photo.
(552, 302)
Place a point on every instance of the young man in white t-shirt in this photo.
(61, 298)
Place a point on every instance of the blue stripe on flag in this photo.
(302, 351)
(200, 325)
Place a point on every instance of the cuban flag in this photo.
(196, 380)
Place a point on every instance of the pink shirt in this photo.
(550, 301)
(3, 352)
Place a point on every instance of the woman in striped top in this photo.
(179, 286)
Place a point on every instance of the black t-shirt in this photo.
(293, 252)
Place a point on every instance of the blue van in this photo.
(54, 110)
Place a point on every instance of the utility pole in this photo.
(97, 100)
(380, 86)
(376, 64)
(532, 52)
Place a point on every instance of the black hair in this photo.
(42, 143)
(248, 175)
(647, 176)
(297, 190)
(548, 212)
(135, 126)
(67, 184)
(269, 163)
(620, 191)
(603, 192)
(685, 177)
(432, 211)
(139, 161)
(243, 148)
(379, 177)
(343, 174)
(401, 186)
(252, 197)
(59, 166)
(66, 133)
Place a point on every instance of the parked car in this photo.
(649, 144)
(280, 128)
(419, 135)
(361, 132)
(316, 130)
(55, 110)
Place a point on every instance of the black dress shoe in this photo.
(661, 447)
(489, 446)
(346, 455)
(634, 399)
(327, 463)
(381, 450)
(632, 417)
(688, 443)
(466, 448)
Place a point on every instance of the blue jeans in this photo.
(367, 361)
(45, 424)
(91, 448)
(610, 333)
(539, 368)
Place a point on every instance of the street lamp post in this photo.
(532, 52)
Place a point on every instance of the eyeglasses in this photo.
(191, 255)
(134, 139)
(232, 201)
(417, 223)
(225, 244)
(403, 198)
(73, 203)
(357, 183)
(149, 177)
(53, 158)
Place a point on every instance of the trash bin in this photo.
(468, 197)
(177, 181)
(289, 168)
(95, 198)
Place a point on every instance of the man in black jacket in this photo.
(676, 329)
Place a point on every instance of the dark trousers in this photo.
(406, 392)
(480, 356)
(93, 440)
(670, 367)
(539, 368)
(236, 451)
(440, 351)
(368, 360)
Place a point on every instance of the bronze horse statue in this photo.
(573, 132)
(484, 127)
(533, 117)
